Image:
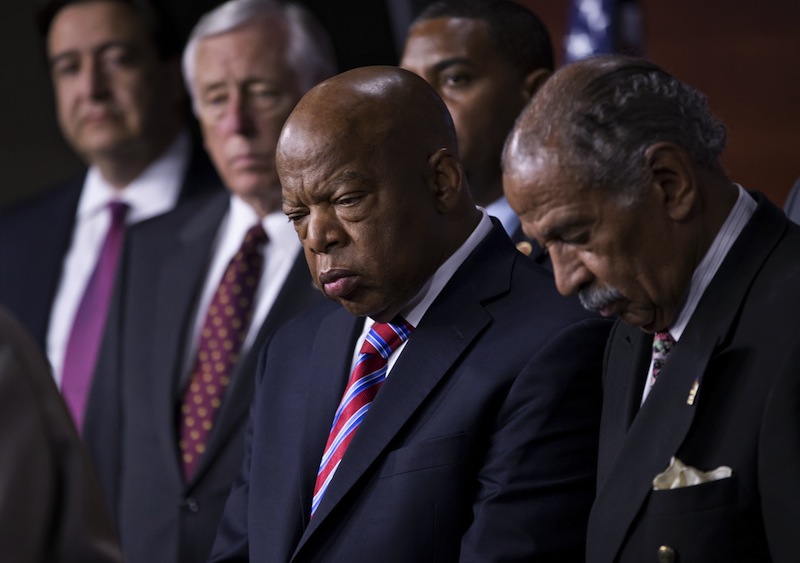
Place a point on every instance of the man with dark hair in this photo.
(120, 105)
(614, 168)
(448, 410)
(486, 60)
(205, 286)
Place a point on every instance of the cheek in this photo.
(66, 96)
(213, 140)
(312, 264)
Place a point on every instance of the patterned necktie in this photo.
(662, 346)
(90, 318)
(365, 381)
(224, 330)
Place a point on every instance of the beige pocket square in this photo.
(678, 475)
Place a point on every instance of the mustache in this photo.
(596, 298)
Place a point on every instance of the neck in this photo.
(124, 164)
(718, 200)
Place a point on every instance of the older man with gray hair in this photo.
(204, 288)
(614, 167)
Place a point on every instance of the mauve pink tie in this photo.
(87, 327)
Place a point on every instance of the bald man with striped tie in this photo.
(448, 409)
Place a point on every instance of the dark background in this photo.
(744, 55)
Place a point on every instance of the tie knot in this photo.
(118, 209)
(663, 343)
(255, 237)
(385, 338)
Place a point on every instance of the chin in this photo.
(351, 307)
(252, 187)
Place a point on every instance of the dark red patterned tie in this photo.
(90, 318)
(221, 337)
(365, 381)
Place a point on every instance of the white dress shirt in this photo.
(153, 192)
(280, 253)
(419, 305)
(701, 278)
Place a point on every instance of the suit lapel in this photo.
(331, 356)
(176, 294)
(50, 235)
(200, 177)
(661, 425)
(447, 330)
(654, 436)
(627, 364)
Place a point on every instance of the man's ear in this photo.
(445, 179)
(533, 81)
(673, 177)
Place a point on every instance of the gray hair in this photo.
(310, 51)
(603, 113)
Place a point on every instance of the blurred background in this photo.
(744, 55)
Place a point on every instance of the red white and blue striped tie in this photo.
(367, 377)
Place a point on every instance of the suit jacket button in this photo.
(666, 554)
(189, 504)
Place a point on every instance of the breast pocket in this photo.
(697, 498)
(430, 454)
(705, 523)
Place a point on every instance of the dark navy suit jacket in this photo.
(480, 445)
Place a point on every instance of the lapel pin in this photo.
(693, 391)
(525, 247)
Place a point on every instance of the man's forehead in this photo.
(95, 25)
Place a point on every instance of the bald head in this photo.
(372, 182)
(371, 106)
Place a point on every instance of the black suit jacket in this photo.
(138, 389)
(480, 445)
(51, 508)
(740, 353)
(36, 234)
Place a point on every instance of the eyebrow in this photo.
(346, 177)
(445, 63)
(557, 231)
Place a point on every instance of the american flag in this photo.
(604, 26)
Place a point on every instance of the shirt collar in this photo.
(501, 209)
(742, 210)
(421, 302)
(241, 217)
(151, 193)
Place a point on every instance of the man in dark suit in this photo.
(51, 508)
(179, 357)
(479, 443)
(614, 167)
(116, 74)
(486, 60)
